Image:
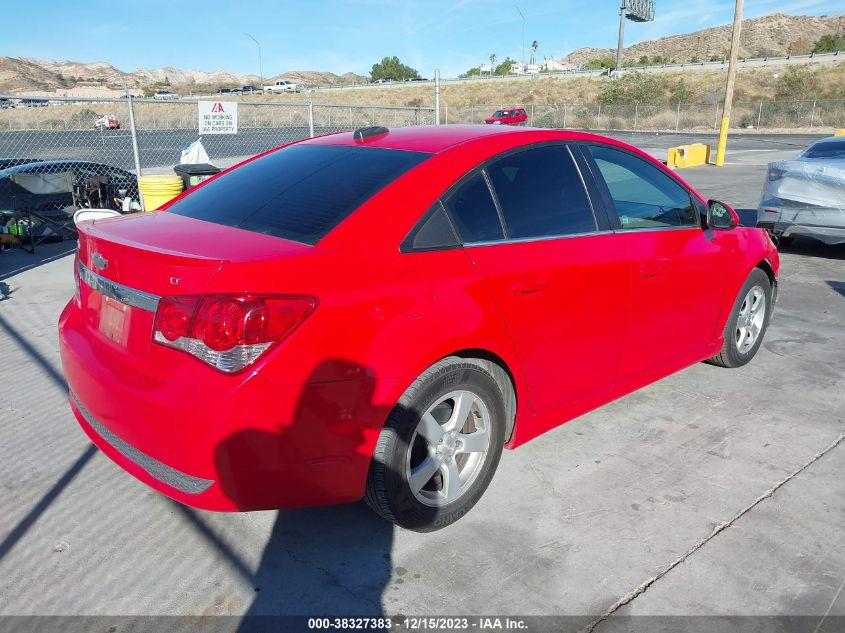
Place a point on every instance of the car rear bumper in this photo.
(222, 442)
(824, 224)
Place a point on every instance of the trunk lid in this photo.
(133, 260)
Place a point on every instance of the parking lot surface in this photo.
(713, 491)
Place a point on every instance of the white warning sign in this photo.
(218, 117)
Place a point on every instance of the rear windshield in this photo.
(825, 149)
(300, 192)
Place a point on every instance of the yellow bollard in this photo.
(839, 132)
(723, 141)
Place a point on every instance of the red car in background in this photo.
(512, 116)
(377, 314)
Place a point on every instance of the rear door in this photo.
(677, 267)
(528, 226)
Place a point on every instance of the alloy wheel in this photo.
(448, 448)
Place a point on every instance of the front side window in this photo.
(541, 193)
(643, 195)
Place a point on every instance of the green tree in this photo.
(598, 64)
(391, 69)
(681, 92)
(472, 72)
(796, 83)
(829, 44)
(534, 46)
(505, 67)
(647, 88)
(493, 59)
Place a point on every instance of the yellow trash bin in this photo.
(158, 189)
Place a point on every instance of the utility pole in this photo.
(729, 86)
(437, 96)
(621, 35)
(260, 69)
(523, 35)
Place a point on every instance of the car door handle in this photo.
(652, 266)
(529, 285)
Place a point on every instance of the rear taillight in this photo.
(229, 332)
(775, 173)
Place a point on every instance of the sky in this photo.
(343, 35)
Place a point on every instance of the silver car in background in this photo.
(806, 194)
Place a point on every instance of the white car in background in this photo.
(806, 194)
(283, 85)
(165, 95)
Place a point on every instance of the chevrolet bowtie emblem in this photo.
(100, 262)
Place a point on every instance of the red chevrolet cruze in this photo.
(376, 314)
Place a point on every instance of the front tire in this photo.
(439, 448)
(747, 323)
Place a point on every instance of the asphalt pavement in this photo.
(712, 492)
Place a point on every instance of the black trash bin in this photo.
(194, 173)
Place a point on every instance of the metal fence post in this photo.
(678, 118)
(564, 116)
(311, 119)
(133, 134)
(760, 114)
(636, 114)
(813, 114)
(598, 119)
(436, 96)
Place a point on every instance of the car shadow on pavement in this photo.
(813, 248)
(838, 286)
(318, 561)
(17, 260)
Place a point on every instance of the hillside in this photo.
(20, 75)
(770, 35)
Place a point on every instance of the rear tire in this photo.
(747, 323)
(439, 448)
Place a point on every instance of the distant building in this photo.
(556, 65)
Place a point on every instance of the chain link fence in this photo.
(819, 114)
(68, 129)
(60, 154)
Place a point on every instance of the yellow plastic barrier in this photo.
(691, 155)
(840, 132)
(158, 189)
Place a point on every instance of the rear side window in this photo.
(541, 193)
(432, 232)
(643, 195)
(472, 209)
(300, 192)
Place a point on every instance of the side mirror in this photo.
(721, 215)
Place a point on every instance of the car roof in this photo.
(829, 139)
(438, 138)
(420, 138)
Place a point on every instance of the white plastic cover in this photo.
(806, 197)
(194, 154)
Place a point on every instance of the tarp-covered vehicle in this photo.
(806, 195)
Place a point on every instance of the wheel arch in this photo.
(767, 268)
(502, 373)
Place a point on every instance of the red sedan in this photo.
(512, 116)
(377, 314)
